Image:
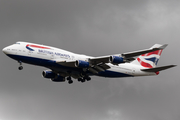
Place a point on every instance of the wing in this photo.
(94, 68)
(67, 63)
(126, 56)
(97, 64)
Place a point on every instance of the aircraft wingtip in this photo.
(164, 46)
(174, 65)
(160, 47)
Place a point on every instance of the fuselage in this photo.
(47, 56)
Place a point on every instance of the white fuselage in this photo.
(47, 56)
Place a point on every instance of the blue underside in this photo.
(53, 65)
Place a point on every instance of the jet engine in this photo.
(53, 76)
(116, 59)
(48, 74)
(81, 64)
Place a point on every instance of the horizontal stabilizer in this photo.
(156, 69)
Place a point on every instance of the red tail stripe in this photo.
(147, 65)
(160, 51)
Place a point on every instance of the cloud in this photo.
(160, 17)
(92, 27)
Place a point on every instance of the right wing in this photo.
(97, 64)
(140, 52)
(126, 56)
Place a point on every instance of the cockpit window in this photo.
(18, 43)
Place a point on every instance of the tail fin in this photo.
(149, 60)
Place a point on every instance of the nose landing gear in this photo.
(20, 67)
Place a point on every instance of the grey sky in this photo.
(96, 28)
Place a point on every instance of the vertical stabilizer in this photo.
(149, 60)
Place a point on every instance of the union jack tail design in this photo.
(149, 60)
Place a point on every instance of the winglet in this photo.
(158, 47)
(163, 46)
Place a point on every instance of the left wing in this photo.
(94, 68)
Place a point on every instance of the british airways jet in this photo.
(64, 65)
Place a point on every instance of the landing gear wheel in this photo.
(20, 67)
(83, 80)
(88, 78)
(69, 78)
(70, 81)
(79, 79)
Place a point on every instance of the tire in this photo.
(20, 68)
(69, 78)
(70, 81)
(83, 80)
(79, 79)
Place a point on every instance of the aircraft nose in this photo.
(4, 50)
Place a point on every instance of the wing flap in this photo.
(67, 63)
(158, 68)
(97, 60)
(98, 67)
(104, 66)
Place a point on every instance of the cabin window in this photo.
(14, 50)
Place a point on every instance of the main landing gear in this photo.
(20, 67)
(69, 80)
(86, 78)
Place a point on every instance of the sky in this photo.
(94, 28)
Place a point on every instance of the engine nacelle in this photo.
(81, 64)
(116, 59)
(58, 79)
(48, 74)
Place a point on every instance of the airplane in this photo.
(63, 65)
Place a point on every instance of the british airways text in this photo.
(52, 53)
